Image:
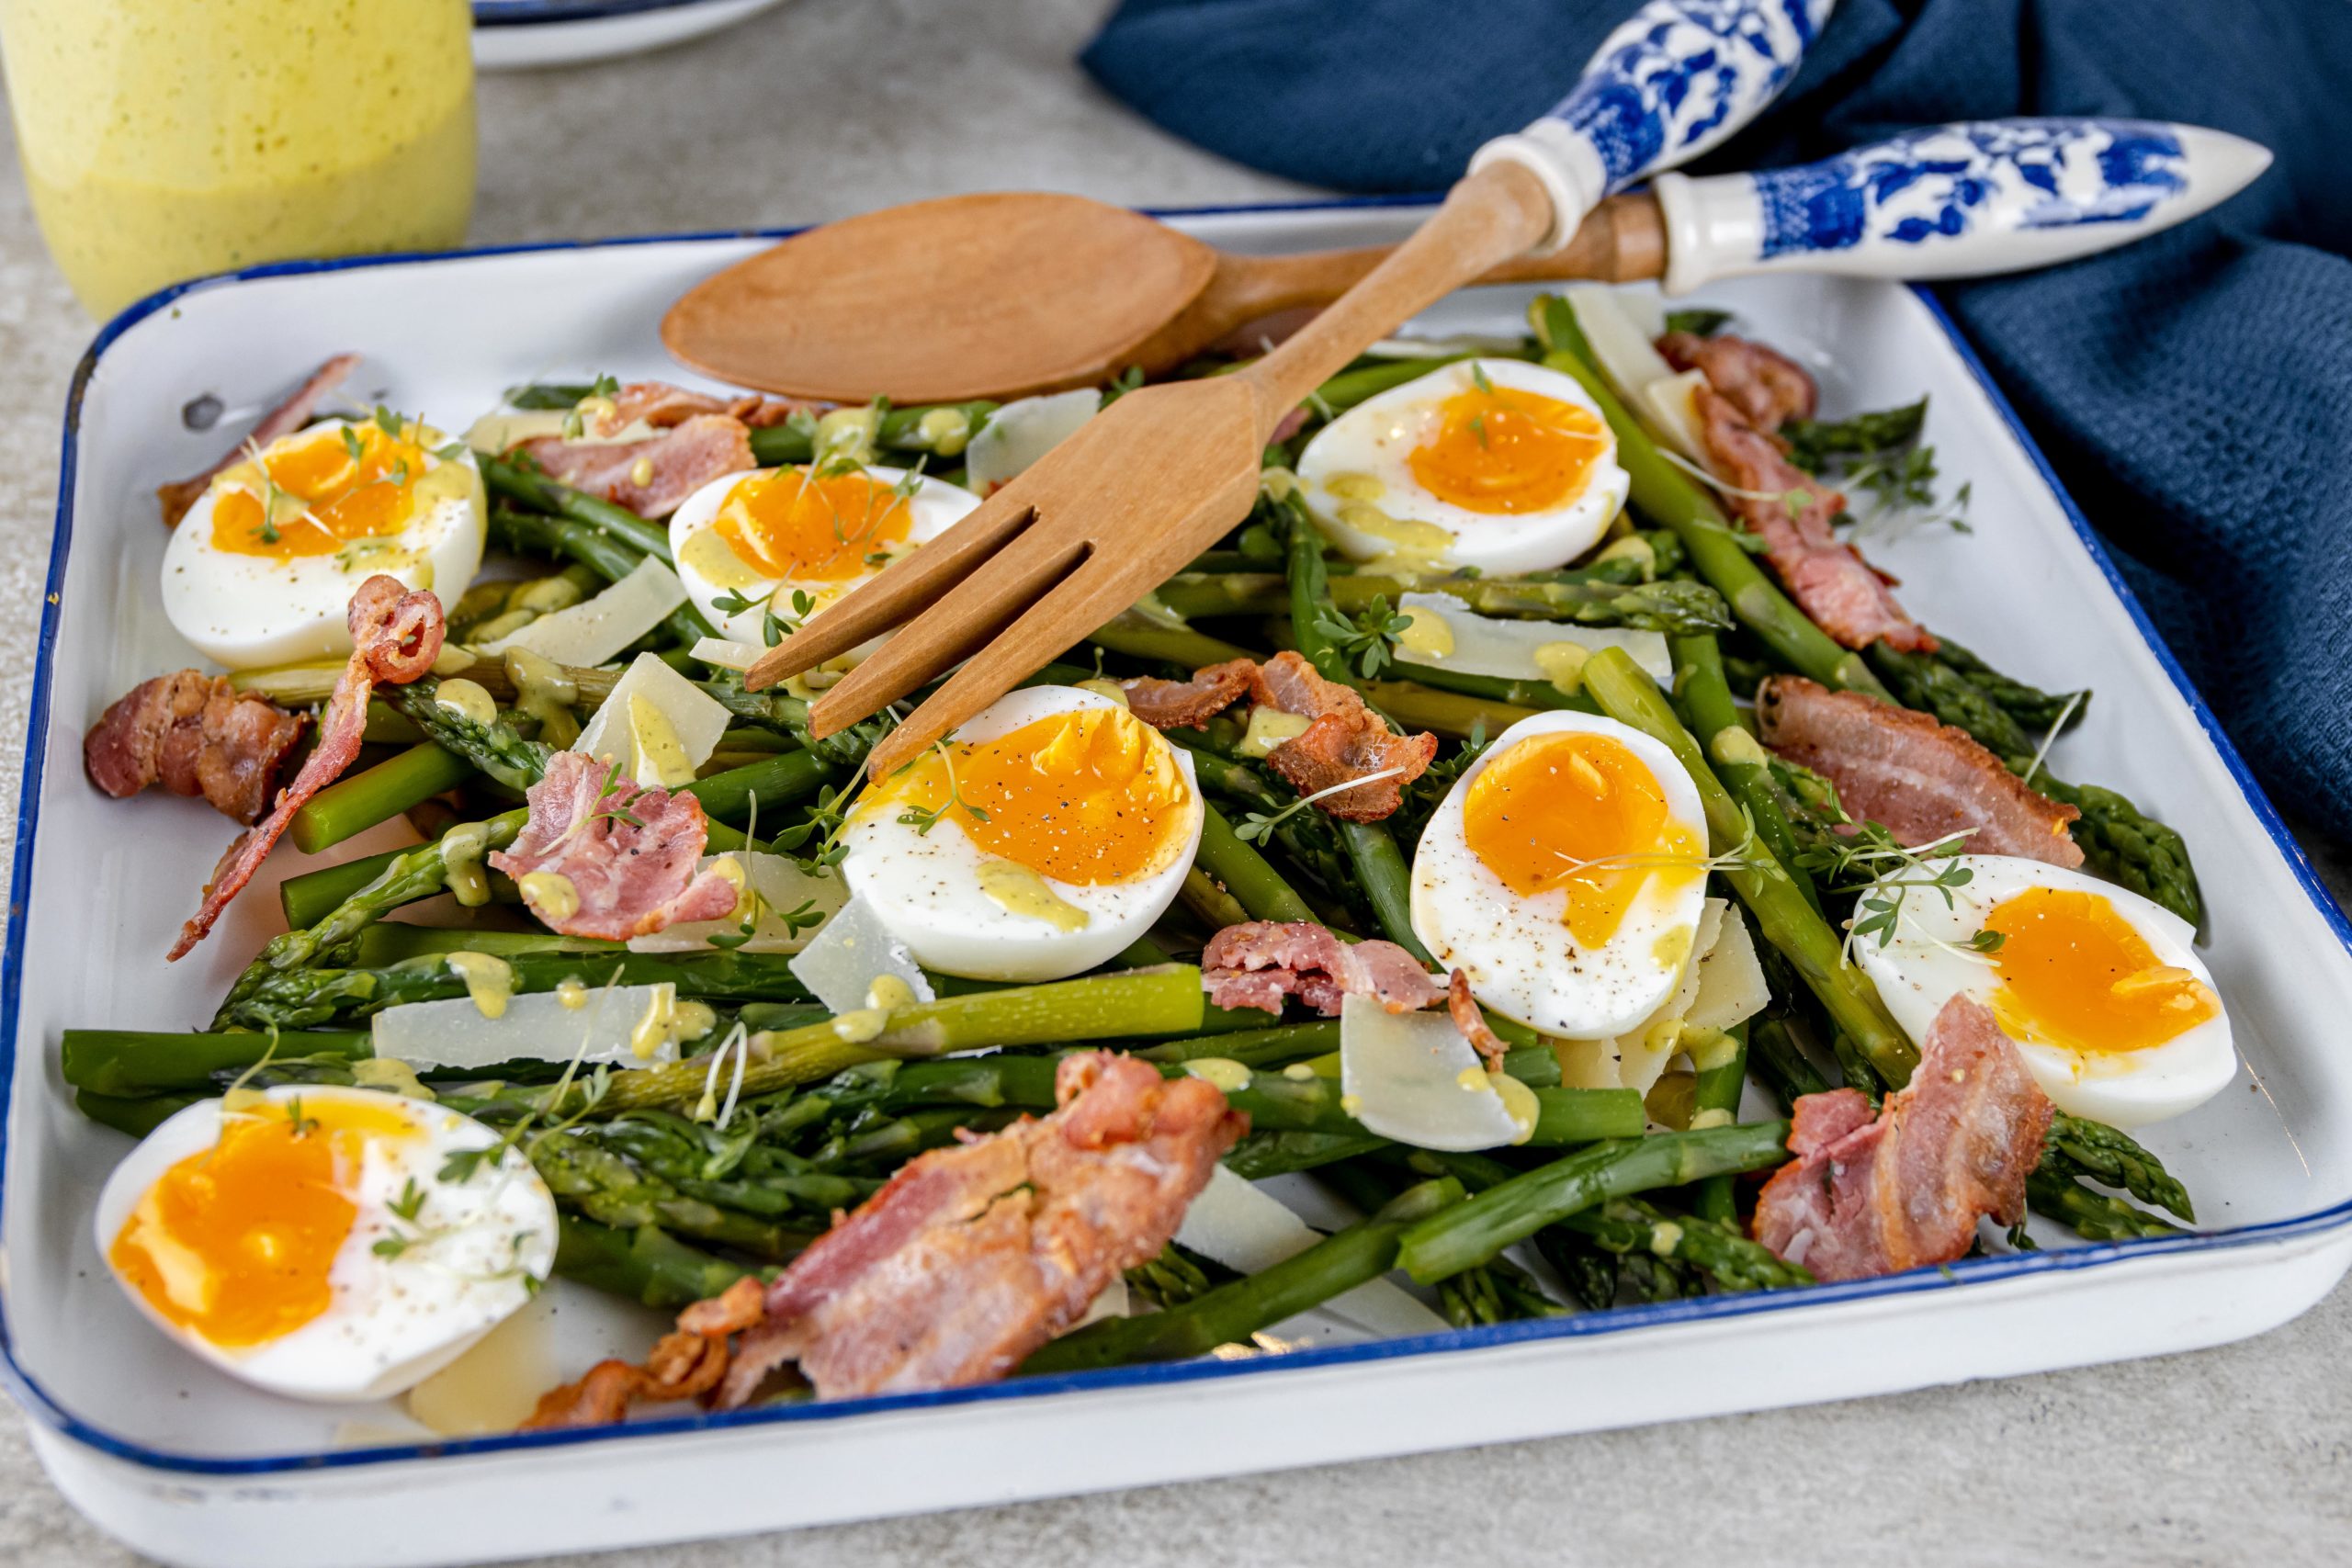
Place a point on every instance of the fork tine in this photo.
(1100, 587)
(903, 590)
(965, 617)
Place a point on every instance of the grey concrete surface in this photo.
(2240, 1455)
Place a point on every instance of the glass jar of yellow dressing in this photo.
(164, 139)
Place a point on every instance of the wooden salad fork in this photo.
(1122, 504)
(1147, 485)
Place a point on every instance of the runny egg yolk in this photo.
(802, 527)
(1582, 814)
(235, 1243)
(310, 495)
(2075, 974)
(1092, 796)
(1499, 449)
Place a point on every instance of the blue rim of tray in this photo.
(534, 13)
(1616, 1320)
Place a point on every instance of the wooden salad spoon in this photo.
(1009, 293)
(1116, 508)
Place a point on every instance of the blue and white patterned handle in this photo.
(1677, 79)
(1955, 200)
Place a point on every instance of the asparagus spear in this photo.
(1166, 999)
(518, 480)
(1470, 1234)
(2109, 1154)
(496, 748)
(1646, 606)
(1741, 763)
(644, 1264)
(1715, 1248)
(1664, 494)
(308, 997)
(2037, 710)
(1231, 1313)
(356, 802)
(613, 1191)
(1722, 1080)
(2093, 1215)
(1783, 916)
(1246, 873)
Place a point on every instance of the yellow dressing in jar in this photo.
(162, 138)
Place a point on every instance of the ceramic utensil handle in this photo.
(1677, 79)
(1955, 200)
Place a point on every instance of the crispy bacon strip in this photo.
(1346, 741)
(1867, 1197)
(1185, 704)
(661, 405)
(1259, 962)
(1920, 780)
(395, 637)
(1826, 577)
(1464, 1007)
(679, 461)
(683, 1365)
(976, 1255)
(630, 854)
(195, 735)
(1766, 387)
(284, 419)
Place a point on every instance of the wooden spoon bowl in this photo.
(1010, 293)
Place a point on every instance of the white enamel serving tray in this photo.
(191, 1467)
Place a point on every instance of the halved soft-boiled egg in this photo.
(746, 542)
(1565, 871)
(1040, 839)
(2114, 1012)
(262, 568)
(321, 1242)
(1489, 463)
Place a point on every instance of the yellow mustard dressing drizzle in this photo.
(889, 992)
(468, 699)
(707, 554)
(1017, 890)
(551, 892)
(1562, 664)
(1425, 636)
(1228, 1075)
(661, 760)
(490, 980)
(462, 847)
(1269, 728)
(543, 692)
(392, 1075)
(1519, 1103)
(657, 1026)
(572, 992)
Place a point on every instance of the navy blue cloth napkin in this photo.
(2195, 390)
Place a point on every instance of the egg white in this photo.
(1378, 437)
(393, 1322)
(1520, 957)
(1915, 976)
(934, 508)
(925, 887)
(247, 612)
